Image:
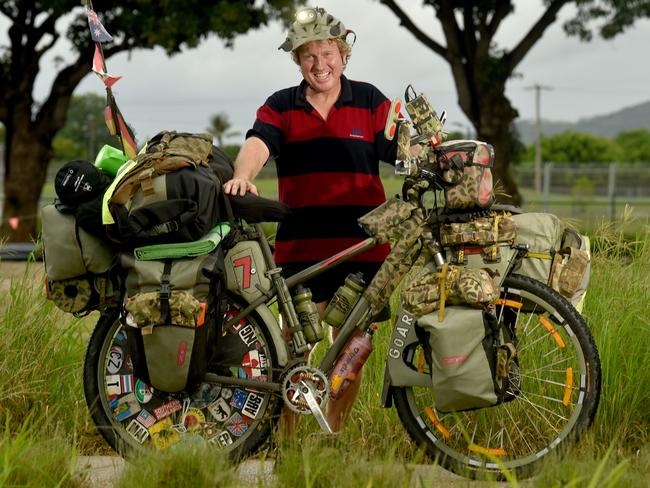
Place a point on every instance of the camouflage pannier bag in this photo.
(171, 314)
(473, 365)
(557, 255)
(465, 167)
(383, 221)
(169, 193)
(430, 290)
(482, 236)
(77, 264)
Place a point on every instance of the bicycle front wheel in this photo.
(556, 398)
(132, 416)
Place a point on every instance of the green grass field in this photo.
(46, 424)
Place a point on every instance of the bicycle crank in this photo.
(305, 390)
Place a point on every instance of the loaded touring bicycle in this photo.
(487, 369)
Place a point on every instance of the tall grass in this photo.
(44, 414)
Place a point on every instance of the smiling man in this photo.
(327, 138)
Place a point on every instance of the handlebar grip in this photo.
(393, 117)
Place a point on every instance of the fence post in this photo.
(547, 185)
(611, 190)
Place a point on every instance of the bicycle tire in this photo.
(550, 411)
(108, 334)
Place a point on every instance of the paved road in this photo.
(104, 471)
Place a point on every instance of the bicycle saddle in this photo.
(254, 209)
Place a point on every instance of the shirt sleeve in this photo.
(269, 126)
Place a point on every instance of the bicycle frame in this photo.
(279, 292)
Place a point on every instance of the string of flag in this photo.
(112, 115)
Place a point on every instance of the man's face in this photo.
(321, 65)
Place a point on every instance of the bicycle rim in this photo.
(235, 419)
(557, 398)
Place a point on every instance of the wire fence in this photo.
(587, 190)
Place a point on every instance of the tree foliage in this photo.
(84, 131)
(577, 147)
(634, 146)
(220, 127)
(481, 67)
(35, 29)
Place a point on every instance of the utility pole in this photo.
(538, 134)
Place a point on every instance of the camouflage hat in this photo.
(313, 24)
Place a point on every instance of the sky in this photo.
(182, 92)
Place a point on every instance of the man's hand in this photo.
(239, 186)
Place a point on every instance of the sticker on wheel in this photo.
(115, 360)
(219, 409)
(124, 407)
(163, 435)
(252, 405)
(143, 392)
(167, 409)
(238, 399)
(138, 431)
(237, 425)
(193, 419)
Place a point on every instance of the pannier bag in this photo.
(465, 167)
(465, 350)
(430, 290)
(77, 264)
(170, 310)
(168, 194)
(383, 222)
(481, 236)
(557, 255)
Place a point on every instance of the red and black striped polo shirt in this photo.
(328, 170)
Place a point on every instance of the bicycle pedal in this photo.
(315, 408)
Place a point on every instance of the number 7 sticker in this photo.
(245, 263)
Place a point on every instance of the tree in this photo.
(634, 146)
(481, 69)
(34, 30)
(576, 147)
(84, 131)
(219, 125)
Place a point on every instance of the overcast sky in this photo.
(182, 92)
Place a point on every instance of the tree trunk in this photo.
(494, 125)
(26, 161)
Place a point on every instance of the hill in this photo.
(608, 125)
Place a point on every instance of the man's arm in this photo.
(252, 156)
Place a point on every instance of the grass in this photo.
(46, 424)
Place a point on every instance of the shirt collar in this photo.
(344, 97)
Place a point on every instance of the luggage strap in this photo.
(165, 290)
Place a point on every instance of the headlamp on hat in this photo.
(313, 24)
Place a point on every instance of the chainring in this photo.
(298, 378)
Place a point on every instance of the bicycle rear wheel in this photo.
(236, 419)
(556, 401)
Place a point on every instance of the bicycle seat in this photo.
(254, 209)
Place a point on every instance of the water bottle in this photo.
(307, 314)
(351, 361)
(344, 299)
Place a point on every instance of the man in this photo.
(326, 136)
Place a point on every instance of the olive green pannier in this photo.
(472, 364)
(77, 264)
(557, 255)
(171, 311)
